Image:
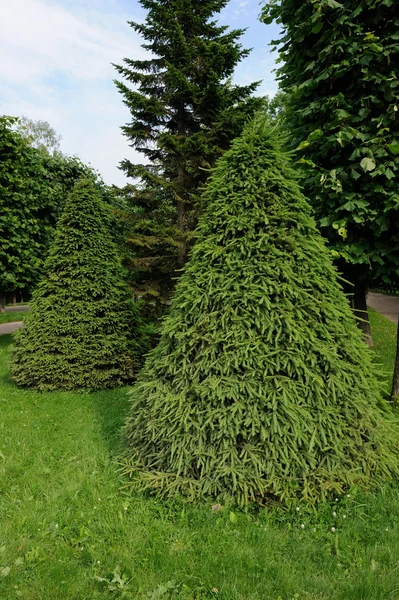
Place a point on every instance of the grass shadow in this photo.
(111, 408)
(5, 340)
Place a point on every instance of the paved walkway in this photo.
(10, 327)
(386, 305)
(17, 308)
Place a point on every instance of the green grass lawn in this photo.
(384, 338)
(68, 532)
(11, 317)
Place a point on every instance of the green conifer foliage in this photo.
(82, 330)
(185, 112)
(261, 386)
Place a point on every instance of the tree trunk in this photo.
(361, 314)
(181, 223)
(183, 207)
(395, 383)
(14, 298)
(2, 301)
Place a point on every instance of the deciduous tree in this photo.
(340, 73)
(33, 190)
(25, 207)
(40, 135)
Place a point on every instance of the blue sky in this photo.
(56, 66)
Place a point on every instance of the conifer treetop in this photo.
(185, 111)
(185, 89)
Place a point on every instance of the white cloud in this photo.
(40, 38)
(56, 66)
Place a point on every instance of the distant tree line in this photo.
(35, 180)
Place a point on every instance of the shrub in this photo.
(261, 386)
(83, 329)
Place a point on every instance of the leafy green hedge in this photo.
(339, 67)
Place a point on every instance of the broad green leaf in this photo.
(317, 27)
(334, 4)
(323, 76)
(376, 48)
(303, 145)
(394, 148)
(367, 164)
(371, 37)
(389, 173)
(348, 206)
(315, 135)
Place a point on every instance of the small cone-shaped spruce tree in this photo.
(261, 386)
(83, 327)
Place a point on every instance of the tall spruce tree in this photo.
(153, 242)
(261, 386)
(185, 113)
(83, 327)
(340, 72)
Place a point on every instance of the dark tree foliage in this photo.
(34, 186)
(25, 210)
(261, 386)
(83, 329)
(153, 242)
(62, 172)
(340, 71)
(185, 113)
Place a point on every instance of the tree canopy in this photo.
(25, 210)
(40, 135)
(261, 387)
(34, 186)
(339, 71)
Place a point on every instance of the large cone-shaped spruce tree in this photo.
(82, 330)
(261, 386)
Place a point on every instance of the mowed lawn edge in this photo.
(12, 317)
(384, 340)
(67, 530)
